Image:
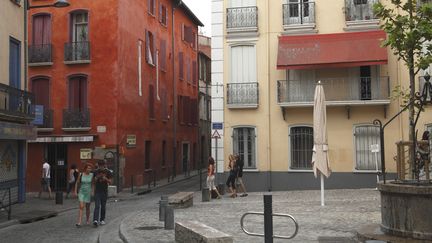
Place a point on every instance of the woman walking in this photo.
(85, 183)
(211, 177)
(73, 176)
(232, 166)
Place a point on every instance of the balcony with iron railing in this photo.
(47, 122)
(298, 15)
(76, 119)
(242, 95)
(242, 19)
(338, 91)
(359, 14)
(16, 104)
(77, 52)
(40, 55)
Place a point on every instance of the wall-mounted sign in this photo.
(60, 162)
(217, 125)
(39, 111)
(85, 153)
(101, 129)
(131, 140)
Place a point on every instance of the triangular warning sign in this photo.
(216, 134)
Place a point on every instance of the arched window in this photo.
(41, 29)
(40, 89)
(78, 93)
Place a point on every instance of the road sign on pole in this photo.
(216, 134)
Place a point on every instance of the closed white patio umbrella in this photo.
(320, 161)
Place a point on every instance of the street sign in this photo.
(217, 125)
(216, 134)
(374, 148)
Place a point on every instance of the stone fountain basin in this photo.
(406, 208)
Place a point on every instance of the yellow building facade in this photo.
(16, 104)
(267, 57)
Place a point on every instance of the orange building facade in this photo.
(114, 79)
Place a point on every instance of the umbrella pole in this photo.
(322, 189)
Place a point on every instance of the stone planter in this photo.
(406, 209)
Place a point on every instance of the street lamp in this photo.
(57, 4)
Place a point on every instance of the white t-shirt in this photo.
(46, 170)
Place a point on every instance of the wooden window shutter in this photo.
(181, 72)
(194, 72)
(166, 16)
(147, 46)
(183, 31)
(151, 102)
(162, 55)
(154, 47)
(154, 7)
(160, 13)
(180, 109)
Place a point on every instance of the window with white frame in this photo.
(244, 141)
(364, 137)
(301, 144)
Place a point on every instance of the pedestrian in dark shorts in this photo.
(232, 176)
(240, 165)
(102, 177)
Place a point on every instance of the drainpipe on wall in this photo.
(174, 6)
(268, 97)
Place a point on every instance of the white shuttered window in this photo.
(243, 64)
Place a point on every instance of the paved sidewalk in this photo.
(345, 212)
(35, 207)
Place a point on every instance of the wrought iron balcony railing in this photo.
(48, 115)
(299, 13)
(242, 94)
(40, 53)
(16, 103)
(242, 17)
(76, 118)
(338, 91)
(77, 51)
(358, 10)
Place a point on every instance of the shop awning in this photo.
(332, 50)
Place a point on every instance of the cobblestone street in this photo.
(345, 212)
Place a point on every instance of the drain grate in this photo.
(149, 228)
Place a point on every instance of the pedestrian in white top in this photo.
(45, 181)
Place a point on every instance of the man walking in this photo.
(102, 179)
(46, 179)
(240, 164)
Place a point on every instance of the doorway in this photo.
(185, 157)
(56, 154)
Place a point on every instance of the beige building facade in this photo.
(16, 104)
(267, 57)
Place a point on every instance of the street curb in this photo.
(9, 223)
(124, 235)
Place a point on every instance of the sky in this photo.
(201, 9)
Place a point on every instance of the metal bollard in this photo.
(205, 194)
(163, 203)
(268, 219)
(169, 218)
